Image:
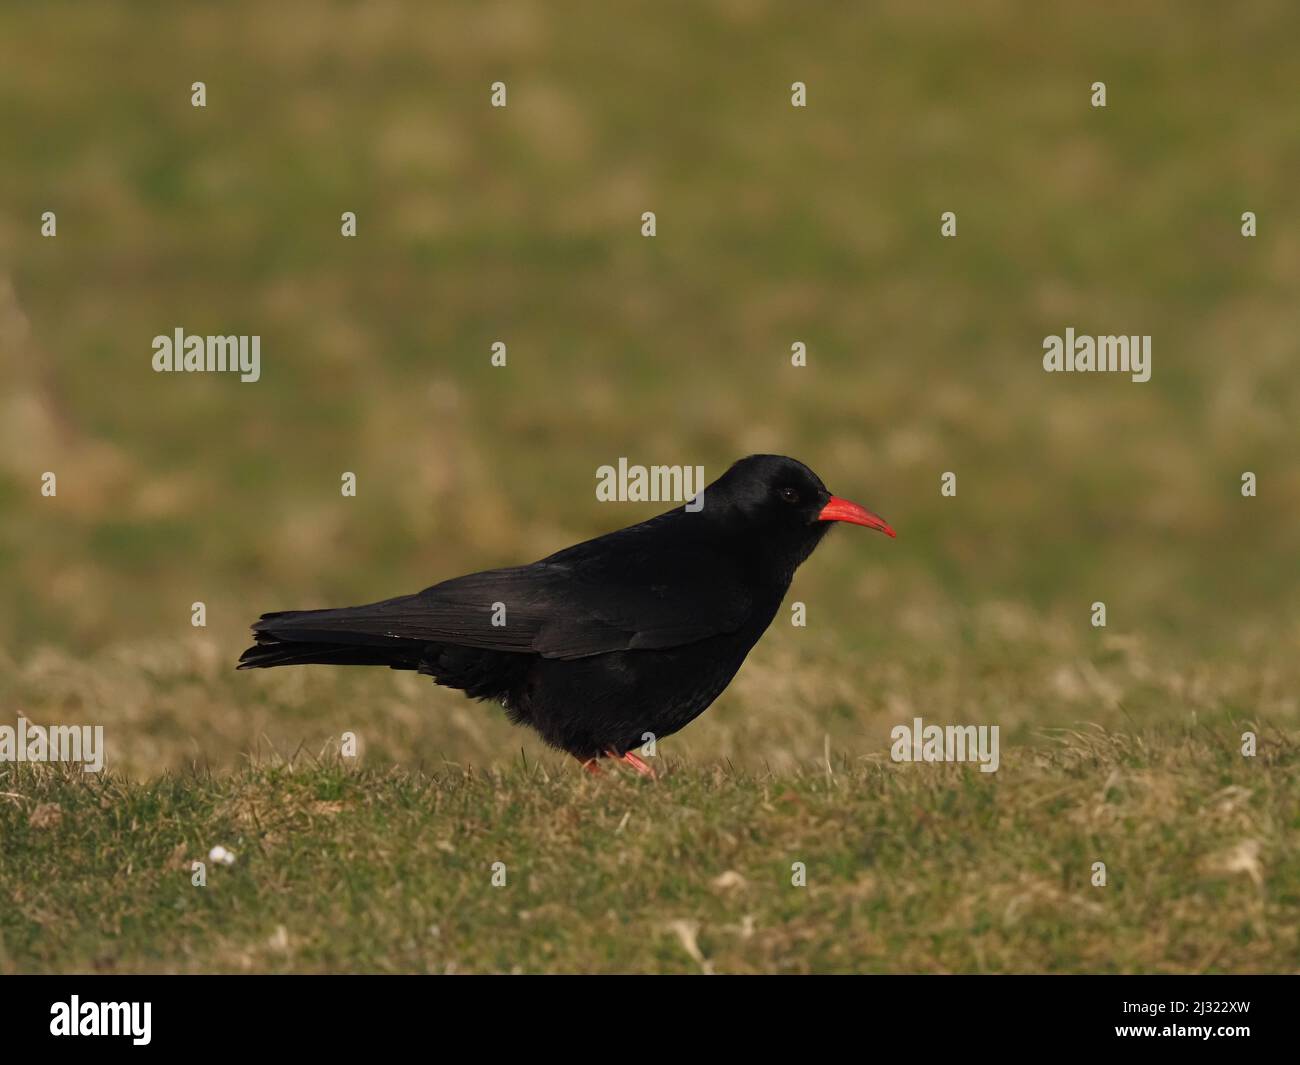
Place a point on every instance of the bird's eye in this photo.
(789, 495)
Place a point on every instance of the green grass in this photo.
(907, 869)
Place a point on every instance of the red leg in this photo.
(590, 766)
(630, 759)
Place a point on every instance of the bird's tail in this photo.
(365, 636)
(269, 651)
(316, 637)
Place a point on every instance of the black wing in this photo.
(620, 592)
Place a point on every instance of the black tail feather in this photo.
(321, 637)
(272, 651)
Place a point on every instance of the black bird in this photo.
(634, 632)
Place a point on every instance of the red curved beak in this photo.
(838, 509)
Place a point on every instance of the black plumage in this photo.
(634, 632)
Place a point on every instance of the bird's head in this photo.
(781, 502)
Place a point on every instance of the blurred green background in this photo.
(775, 224)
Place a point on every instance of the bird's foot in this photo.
(630, 759)
(589, 764)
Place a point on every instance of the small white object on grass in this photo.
(220, 855)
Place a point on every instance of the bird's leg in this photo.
(640, 766)
(589, 764)
(630, 759)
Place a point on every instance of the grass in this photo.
(907, 869)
